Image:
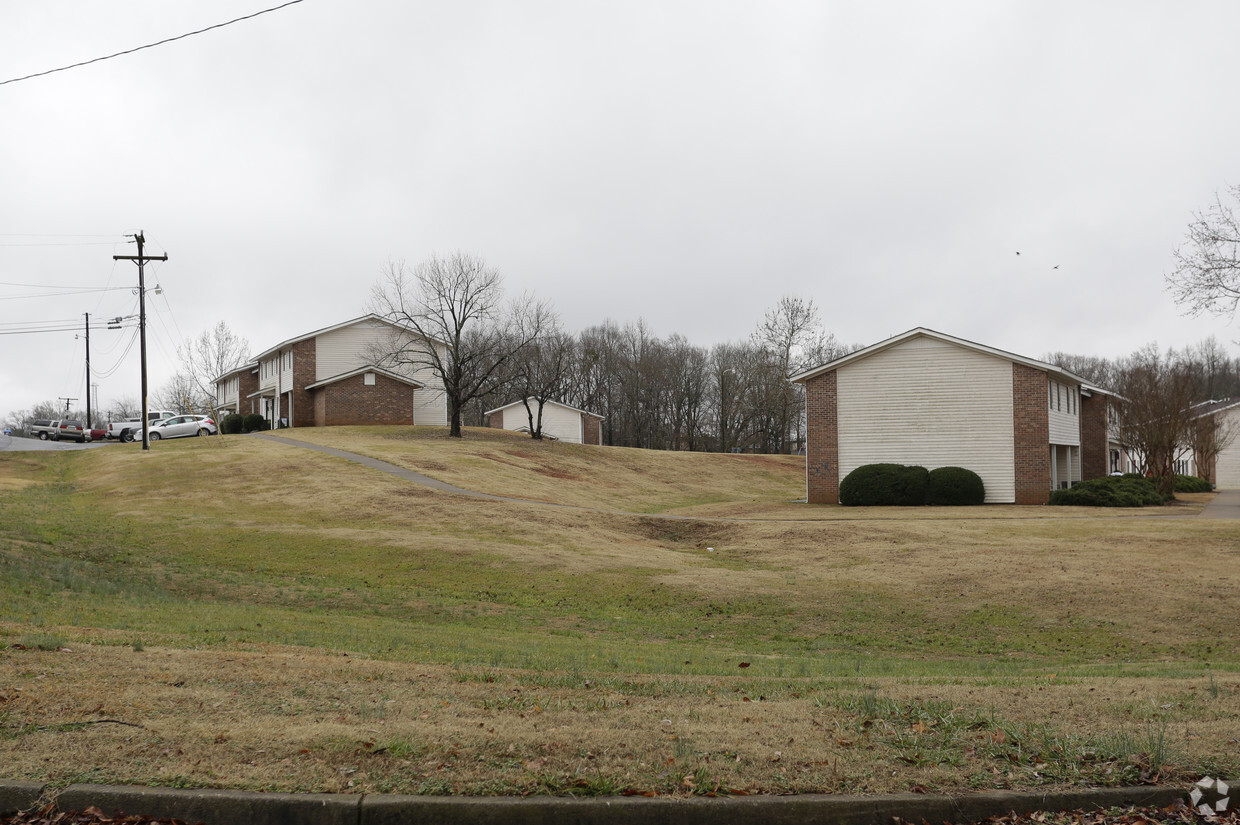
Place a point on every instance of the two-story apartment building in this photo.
(924, 397)
(333, 376)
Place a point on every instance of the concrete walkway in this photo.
(1224, 505)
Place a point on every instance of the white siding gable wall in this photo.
(931, 403)
(558, 421)
(1227, 465)
(341, 350)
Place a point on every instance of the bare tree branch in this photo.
(1207, 273)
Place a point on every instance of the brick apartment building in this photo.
(923, 397)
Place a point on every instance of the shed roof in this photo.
(549, 402)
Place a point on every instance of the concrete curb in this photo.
(216, 807)
(19, 796)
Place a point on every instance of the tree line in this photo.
(652, 392)
(1163, 403)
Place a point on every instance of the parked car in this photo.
(97, 434)
(70, 430)
(180, 426)
(42, 428)
(124, 430)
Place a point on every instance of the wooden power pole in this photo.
(141, 260)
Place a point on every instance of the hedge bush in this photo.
(955, 487)
(873, 485)
(253, 423)
(231, 424)
(1192, 484)
(1109, 492)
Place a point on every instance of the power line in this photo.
(150, 45)
(66, 328)
(52, 286)
(66, 291)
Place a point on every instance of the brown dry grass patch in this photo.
(297, 720)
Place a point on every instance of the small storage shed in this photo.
(559, 421)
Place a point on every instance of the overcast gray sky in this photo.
(683, 162)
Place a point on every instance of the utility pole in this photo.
(89, 421)
(66, 400)
(141, 260)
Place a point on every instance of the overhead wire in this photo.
(150, 45)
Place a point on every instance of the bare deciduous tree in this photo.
(1207, 273)
(183, 394)
(544, 366)
(216, 351)
(1155, 415)
(456, 302)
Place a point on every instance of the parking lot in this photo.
(17, 443)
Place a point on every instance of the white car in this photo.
(179, 426)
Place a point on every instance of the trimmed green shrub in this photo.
(231, 424)
(1109, 492)
(955, 486)
(884, 485)
(253, 423)
(1192, 484)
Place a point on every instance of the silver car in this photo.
(179, 426)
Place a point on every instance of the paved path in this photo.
(1224, 506)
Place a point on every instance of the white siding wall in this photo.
(286, 369)
(558, 421)
(226, 391)
(931, 403)
(268, 371)
(1227, 468)
(345, 349)
(1065, 417)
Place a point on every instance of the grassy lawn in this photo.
(241, 613)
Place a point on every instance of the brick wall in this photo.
(350, 401)
(1094, 458)
(247, 382)
(1031, 426)
(592, 432)
(304, 372)
(496, 420)
(822, 447)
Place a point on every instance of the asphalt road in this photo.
(16, 443)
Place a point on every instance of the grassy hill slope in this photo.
(301, 599)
